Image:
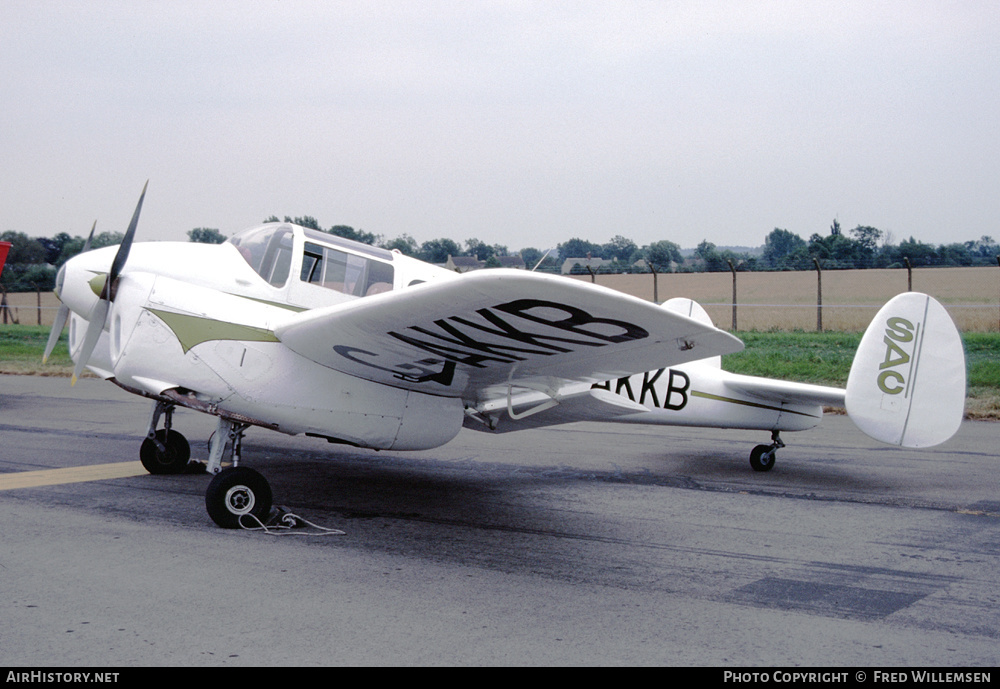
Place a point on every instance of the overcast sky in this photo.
(517, 123)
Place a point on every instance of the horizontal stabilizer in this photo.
(785, 392)
(907, 383)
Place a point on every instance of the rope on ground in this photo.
(281, 522)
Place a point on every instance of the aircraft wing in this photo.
(480, 335)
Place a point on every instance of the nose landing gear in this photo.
(164, 451)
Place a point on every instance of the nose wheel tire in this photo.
(235, 493)
(172, 459)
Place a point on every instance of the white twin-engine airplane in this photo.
(304, 332)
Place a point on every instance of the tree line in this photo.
(32, 262)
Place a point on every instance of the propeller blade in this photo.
(94, 327)
(90, 238)
(63, 314)
(126, 246)
(57, 328)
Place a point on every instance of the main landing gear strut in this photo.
(762, 457)
(234, 492)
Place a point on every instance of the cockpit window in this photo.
(343, 272)
(268, 250)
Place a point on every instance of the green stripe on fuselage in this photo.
(720, 398)
(193, 330)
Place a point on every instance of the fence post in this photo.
(656, 289)
(733, 269)
(819, 296)
(38, 301)
(909, 274)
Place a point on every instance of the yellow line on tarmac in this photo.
(52, 477)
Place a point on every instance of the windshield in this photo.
(268, 250)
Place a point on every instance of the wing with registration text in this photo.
(479, 334)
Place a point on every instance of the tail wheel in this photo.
(762, 458)
(235, 493)
(172, 459)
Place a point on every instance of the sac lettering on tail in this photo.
(894, 368)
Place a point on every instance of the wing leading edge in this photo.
(480, 335)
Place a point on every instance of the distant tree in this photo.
(579, 248)
(918, 253)
(545, 260)
(662, 254)
(206, 235)
(24, 249)
(107, 239)
(622, 249)
(70, 248)
(957, 254)
(836, 251)
(438, 250)
(27, 277)
(984, 248)
(483, 251)
(305, 221)
(709, 253)
(782, 249)
(530, 256)
(54, 246)
(345, 231)
(867, 239)
(348, 232)
(27, 266)
(404, 244)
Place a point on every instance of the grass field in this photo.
(822, 358)
(825, 359)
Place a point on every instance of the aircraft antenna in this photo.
(540, 260)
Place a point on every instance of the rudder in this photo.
(907, 383)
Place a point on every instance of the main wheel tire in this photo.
(762, 458)
(236, 492)
(172, 459)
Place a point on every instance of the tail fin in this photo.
(907, 383)
(692, 309)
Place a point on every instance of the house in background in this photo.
(584, 263)
(463, 264)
